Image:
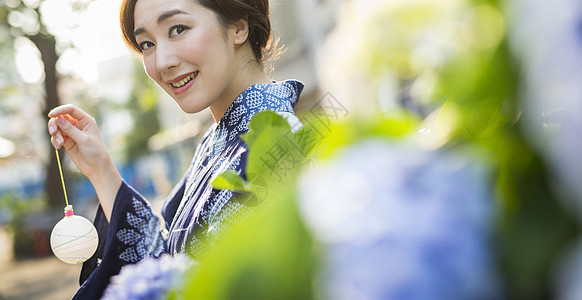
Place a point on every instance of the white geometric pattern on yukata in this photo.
(143, 238)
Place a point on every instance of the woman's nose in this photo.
(165, 57)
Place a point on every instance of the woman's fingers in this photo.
(68, 109)
(54, 142)
(63, 123)
(66, 129)
(62, 127)
(70, 119)
(52, 127)
(56, 136)
(77, 131)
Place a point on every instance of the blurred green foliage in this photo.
(532, 227)
(475, 99)
(272, 255)
(473, 87)
(15, 206)
(143, 107)
(20, 213)
(395, 125)
(269, 256)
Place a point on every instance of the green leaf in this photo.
(261, 125)
(267, 118)
(274, 159)
(230, 180)
(273, 150)
(267, 256)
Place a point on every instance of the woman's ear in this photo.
(240, 31)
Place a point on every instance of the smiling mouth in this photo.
(184, 81)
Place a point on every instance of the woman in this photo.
(203, 53)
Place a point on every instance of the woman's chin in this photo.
(189, 109)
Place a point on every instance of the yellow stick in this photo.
(62, 179)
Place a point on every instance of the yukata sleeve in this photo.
(132, 234)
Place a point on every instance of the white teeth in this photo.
(182, 82)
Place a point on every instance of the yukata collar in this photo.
(279, 96)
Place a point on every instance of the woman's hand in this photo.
(77, 131)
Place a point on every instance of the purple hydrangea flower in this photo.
(401, 222)
(150, 279)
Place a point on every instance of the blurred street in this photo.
(41, 278)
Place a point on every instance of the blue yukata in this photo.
(194, 213)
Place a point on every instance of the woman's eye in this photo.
(145, 45)
(176, 30)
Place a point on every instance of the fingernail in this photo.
(61, 121)
(59, 141)
(51, 129)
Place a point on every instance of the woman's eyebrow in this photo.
(170, 14)
(166, 15)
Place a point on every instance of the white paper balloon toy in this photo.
(74, 239)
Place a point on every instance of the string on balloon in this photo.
(62, 178)
(74, 239)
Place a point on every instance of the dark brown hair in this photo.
(255, 12)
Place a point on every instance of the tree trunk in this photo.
(46, 45)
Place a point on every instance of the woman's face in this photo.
(185, 51)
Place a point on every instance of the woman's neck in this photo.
(250, 74)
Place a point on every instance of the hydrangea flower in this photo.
(150, 279)
(400, 222)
